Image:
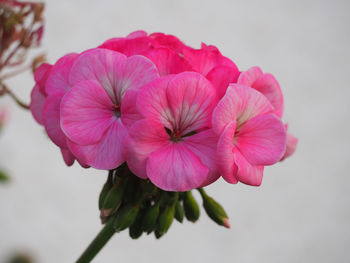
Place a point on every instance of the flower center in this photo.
(116, 110)
(176, 135)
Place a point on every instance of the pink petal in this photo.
(191, 99)
(51, 119)
(108, 153)
(292, 143)
(145, 137)
(204, 60)
(221, 77)
(129, 112)
(262, 140)
(152, 102)
(37, 104)
(239, 104)
(128, 46)
(203, 145)
(246, 172)
(136, 34)
(225, 156)
(58, 80)
(167, 41)
(167, 61)
(266, 84)
(247, 78)
(41, 74)
(68, 157)
(86, 112)
(176, 168)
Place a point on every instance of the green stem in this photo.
(98, 243)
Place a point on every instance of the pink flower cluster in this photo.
(181, 117)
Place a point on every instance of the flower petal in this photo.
(128, 46)
(221, 77)
(37, 103)
(86, 112)
(40, 76)
(51, 119)
(108, 153)
(176, 168)
(262, 140)
(191, 99)
(292, 143)
(246, 172)
(203, 145)
(239, 104)
(129, 111)
(58, 80)
(68, 157)
(225, 156)
(145, 137)
(247, 78)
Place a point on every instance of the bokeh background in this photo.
(301, 212)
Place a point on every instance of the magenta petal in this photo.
(68, 157)
(86, 112)
(225, 156)
(145, 137)
(191, 99)
(136, 34)
(128, 46)
(41, 74)
(246, 172)
(268, 85)
(262, 140)
(58, 80)
(108, 153)
(167, 61)
(221, 77)
(51, 118)
(37, 104)
(203, 145)
(176, 168)
(239, 104)
(130, 113)
(247, 78)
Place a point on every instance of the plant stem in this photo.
(98, 243)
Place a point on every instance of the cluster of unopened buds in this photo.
(163, 118)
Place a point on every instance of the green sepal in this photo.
(165, 219)
(179, 212)
(125, 217)
(105, 189)
(150, 218)
(113, 198)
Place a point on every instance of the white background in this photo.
(301, 212)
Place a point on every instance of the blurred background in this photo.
(301, 213)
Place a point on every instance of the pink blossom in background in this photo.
(4, 116)
(174, 145)
(91, 109)
(251, 136)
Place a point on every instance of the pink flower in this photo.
(91, 109)
(174, 145)
(291, 146)
(251, 136)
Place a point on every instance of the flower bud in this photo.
(113, 199)
(125, 217)
(165, 220)
(105, 189)
(191, 207)
(214, 210)
(150, 219)
(135, 230)
(179, 212)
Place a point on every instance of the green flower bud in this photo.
(135, 230)
(150, 219)
(165, 219)
(214, 210)
(179, 212)
(113, 199)
(125, 217)
(191, 207)
(106, 187)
